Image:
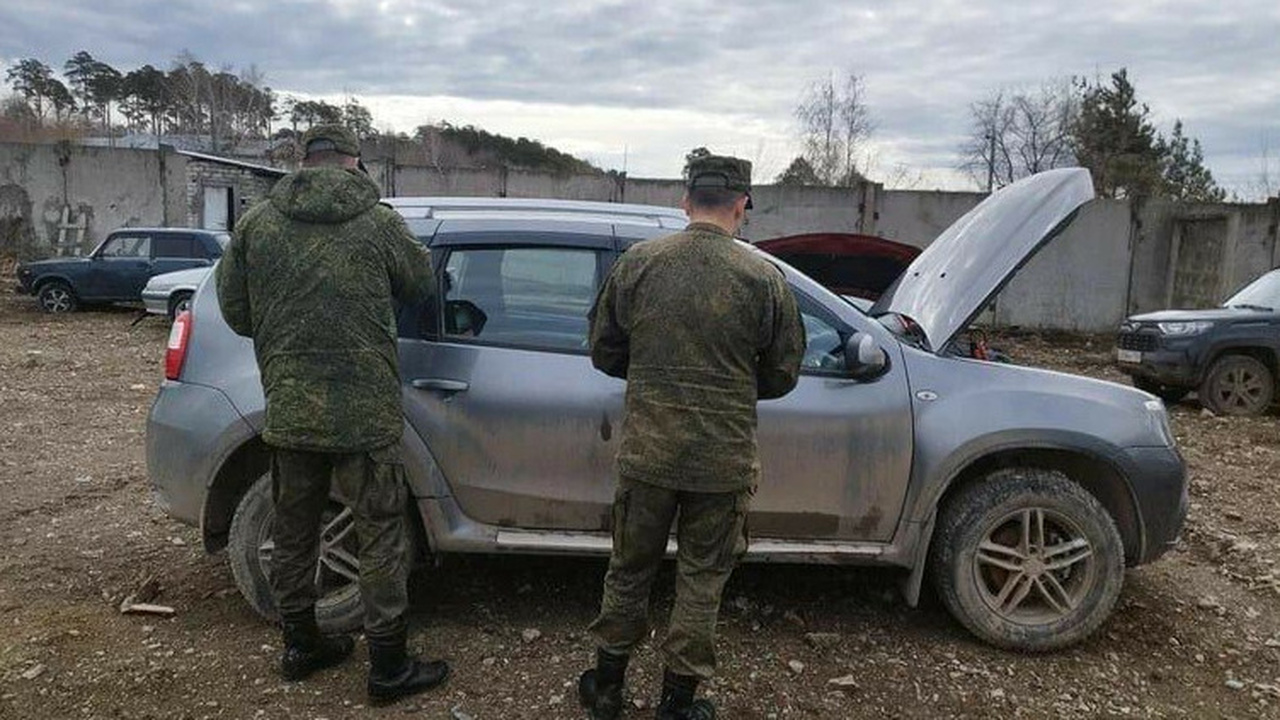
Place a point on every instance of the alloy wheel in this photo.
(56, 300)
(1034, 566)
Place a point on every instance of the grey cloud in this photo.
(1211, 63)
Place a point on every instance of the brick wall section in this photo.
(247, 187)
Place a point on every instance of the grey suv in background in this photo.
(1024, 493)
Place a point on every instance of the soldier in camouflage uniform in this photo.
(311, 276)
(701, 328)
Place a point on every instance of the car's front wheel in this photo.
(1238, 385)
(1028, 560)
(337, 574)
(57, 297)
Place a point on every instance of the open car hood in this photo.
(963, 269)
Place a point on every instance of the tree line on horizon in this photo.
(1096, 124)
(228, 107)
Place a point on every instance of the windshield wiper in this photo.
(1247, 306)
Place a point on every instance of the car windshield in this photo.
(1263, 293)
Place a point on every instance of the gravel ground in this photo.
(1197, 634)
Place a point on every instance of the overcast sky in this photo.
(642, 82)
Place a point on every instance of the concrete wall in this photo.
(43, 187)
(1079, 281)
(1118, 258)
(917, 217)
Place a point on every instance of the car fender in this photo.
(41, 280)
(1060, 450)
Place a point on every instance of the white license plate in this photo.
(1131, 357)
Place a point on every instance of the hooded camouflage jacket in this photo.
(701, 328)
(311, 276)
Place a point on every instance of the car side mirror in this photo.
(863, 356)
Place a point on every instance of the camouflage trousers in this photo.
(372, 485)
(711, 536)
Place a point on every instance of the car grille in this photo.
(1136, 341)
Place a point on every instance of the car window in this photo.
(526, 297)
(824, 337)
(174, 246)
(127, 246)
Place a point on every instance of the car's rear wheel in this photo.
(1238, 385)
(1027, 560)
(179, 302)
(57, 297)
(1168, 393)
(250, 546)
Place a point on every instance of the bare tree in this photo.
(834, 122)
(1018, 133)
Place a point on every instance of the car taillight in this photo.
(176, 351)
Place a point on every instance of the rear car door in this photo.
(120, 268)
(500, 385)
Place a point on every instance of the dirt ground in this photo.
(1197, 634)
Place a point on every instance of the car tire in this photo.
(1238, 385)
(339, 609)
(1168, 393)
(57, 297)
(994, 553)
(179, 302)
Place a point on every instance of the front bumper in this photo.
(1158, 477)
(156, 303)
(190, 431)
(1163, 360)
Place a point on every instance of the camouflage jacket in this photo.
(311, 275)
(701, 327)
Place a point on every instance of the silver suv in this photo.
(1023, 493)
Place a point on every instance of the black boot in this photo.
(306, 650)
(677, 699)
(600, 688)
(393, 674)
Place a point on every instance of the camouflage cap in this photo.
(331, 137)
(720, 171)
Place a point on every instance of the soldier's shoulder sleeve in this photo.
(783, 339)
(609, 323)
(232, 274)
(408, 259)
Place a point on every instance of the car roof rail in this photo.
(432, 207)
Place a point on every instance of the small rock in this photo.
(531, 634)
(489, 661)
(793, 618)
(1235, 684)
(457, 713)
(844, 681)
(795, 666)
(822, 640)
(1207, 413)
(137, 386)
(84, 479)
(637, 703)
(997, 694)
(34, 672)
(177, 541)
(1208, 602)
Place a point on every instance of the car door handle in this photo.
(441, 384)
